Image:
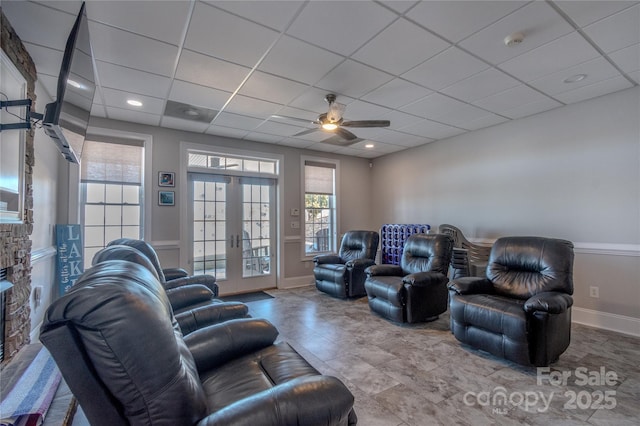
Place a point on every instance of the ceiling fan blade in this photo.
(345, 134)
(338, 141)
(300, 120)
(305, 132)
(367, 123)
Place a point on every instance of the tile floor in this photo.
(421, 375)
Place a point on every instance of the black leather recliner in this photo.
(342, 275)
(521, 311)
(194, 305)
(415, 290)
(169, 277)
(121, 351)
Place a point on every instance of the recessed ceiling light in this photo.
(133, 102)
(74, 84)
(369, 145)
(191, 112)
(575, 78)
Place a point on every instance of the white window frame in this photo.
(336, 209)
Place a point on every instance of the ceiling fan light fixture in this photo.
(329, 126)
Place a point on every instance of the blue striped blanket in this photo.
(27, 403)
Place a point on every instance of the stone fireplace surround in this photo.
(15, 242)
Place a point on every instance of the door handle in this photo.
(238, 240)
(231, 241)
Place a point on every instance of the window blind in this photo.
(112, 162)
(319, 178)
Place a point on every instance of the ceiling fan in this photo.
(333, 121)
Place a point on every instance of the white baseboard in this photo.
(294, 282)
(606, 321)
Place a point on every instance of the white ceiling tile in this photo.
(431, 129)
(133, 116)
(537, 20)
(299, 61)
(510, 98)
(268, 87)
(141, 53)
(165, 24)
(460, 116)
(301, 114)
(434, 105)
(40, 25)
(263, 137)
(601, 88)
(252, 107)
(341, 27)
(595, 70)
(445, 69)
(324, 147)
(400, 47)
(274, 14)
(360, 110)
(353, 79)
(531, 108)
(193, 94)
(455, 20)
(47, 60)
(237, 121)
(481, 85)
(280, 129)
(226, 132)
(217, 33)
(564, 52)
(98, 111)
(118, 99)
(207, 71)
(635, 76)
(348, 150)
(403, 139)
(50, 85)
(181, 124)
(399, 6)
(296, 143)
(312, 99)
(617, 31)
(486, 121)
(628, 59)
(586, 12)
(317, 136)
(400, 119)
(396, 93)
(134, 81)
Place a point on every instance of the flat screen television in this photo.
(66, 120)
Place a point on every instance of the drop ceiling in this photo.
(435, 69)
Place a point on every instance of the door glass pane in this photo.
(255, 259)
(93, 236)
(209, 246)
(112, 215)
(131, 215)
(112, 233)
(93, 215)
(131, 232)
(131, 194)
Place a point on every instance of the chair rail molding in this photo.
(611, 249)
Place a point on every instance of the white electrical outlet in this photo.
(594, 292)
(295, 225)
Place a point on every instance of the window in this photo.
(112, 190)
(320, 204)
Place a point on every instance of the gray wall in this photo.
(355, 188)
(573, 173)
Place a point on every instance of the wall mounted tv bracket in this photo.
(26, 124)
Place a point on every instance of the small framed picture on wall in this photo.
(166, 198)
(166, 179)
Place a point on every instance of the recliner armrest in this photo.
(472, 285)
(327, 258)
(214, 313)
(552, 302)
(424, 279)
(206, 280)
(359, 263)
(173, 273)
(217, 344)
(384, 269)
(188, 295)
(317, 400)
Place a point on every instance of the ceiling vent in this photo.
(189, 112)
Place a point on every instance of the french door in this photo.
(234, 232)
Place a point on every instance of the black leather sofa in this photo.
(521, 311)
(121, 351)
(342, 275)
(194, 305)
